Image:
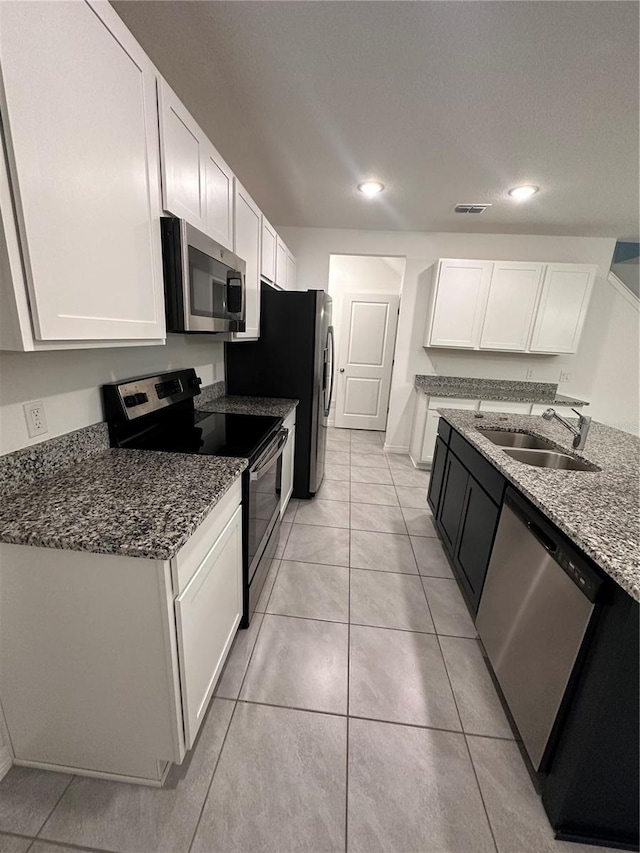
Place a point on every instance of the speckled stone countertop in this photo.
(494, 389)
(134, 503)
(599, 511)
(236, 405)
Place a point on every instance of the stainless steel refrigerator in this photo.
(294, 357)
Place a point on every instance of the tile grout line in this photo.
(346, 804)
(455, 701)
(371, 719)
(215, 767)
(57, 803)
(65, 845)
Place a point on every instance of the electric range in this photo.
(157, 413)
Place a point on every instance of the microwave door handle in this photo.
(259, 472)
(236, 276)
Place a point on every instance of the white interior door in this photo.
(366, 338)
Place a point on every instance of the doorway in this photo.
(365, 290)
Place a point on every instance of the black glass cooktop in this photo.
(211, 434)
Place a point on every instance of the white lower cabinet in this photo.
(288, 454)
(426, 417)
(107, 662)
(207, 616)
(425, 425)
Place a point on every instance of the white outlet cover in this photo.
(36, 418)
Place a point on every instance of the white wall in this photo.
(359, 274)
(615, 387)
(313, 247)
(68, 382)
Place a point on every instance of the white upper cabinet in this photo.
(291, 271)
(197, 184)
(510, 305)
(183, 160)
(248, 225)
(80, 134)
(458, 303)
(564, 300)
(281, 264)
(269, 241)
(219, 193)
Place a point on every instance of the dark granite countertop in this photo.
(234, 404)
(134, 503)
(467, 387)
(598, 510)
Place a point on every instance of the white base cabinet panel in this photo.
(86, 675)
(288, 454)
(208, 613)
(105, 666)
(425, 425)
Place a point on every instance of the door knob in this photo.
(342, 370)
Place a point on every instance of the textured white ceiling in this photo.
(444, 102)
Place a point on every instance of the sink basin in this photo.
(549, 459)
(515, 439)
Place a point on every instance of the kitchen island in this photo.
(589, 772)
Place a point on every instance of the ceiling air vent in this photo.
(471, 208)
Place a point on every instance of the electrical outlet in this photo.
(529, 374)
(36, 420)
(565, 376)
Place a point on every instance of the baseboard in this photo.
(5, 761)
(396, 448)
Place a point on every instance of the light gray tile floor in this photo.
(366, 717)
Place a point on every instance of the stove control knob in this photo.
(129, 401)
(141, 398)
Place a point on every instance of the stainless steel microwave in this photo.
(204, 283)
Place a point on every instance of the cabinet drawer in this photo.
(207, 615)
(190, 556)
(491, 481)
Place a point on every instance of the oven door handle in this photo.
(257, 473)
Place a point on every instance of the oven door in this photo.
(265, 478)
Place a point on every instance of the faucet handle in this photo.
(583, 418)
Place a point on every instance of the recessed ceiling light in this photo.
(371, 188)
(522, 193)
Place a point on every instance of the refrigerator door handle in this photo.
(330, 340)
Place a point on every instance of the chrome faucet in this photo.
(579, 433)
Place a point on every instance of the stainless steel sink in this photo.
(549, 459)
(515, 439)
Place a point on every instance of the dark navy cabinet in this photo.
(465, 495)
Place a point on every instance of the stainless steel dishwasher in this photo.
(537, 601)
